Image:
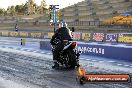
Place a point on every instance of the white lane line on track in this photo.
(83, 58)
(88, 59)
(48, 53)
(34, 51)
(126, 65)
(31, 51)
(119, 64)
(94, 60)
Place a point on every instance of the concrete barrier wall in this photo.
(112, 51)
(108, 51)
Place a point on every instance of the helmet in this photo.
(62, 24)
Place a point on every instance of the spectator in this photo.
(16, 27)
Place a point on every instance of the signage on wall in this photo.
(23, 34)
(99, 37)
(91, 50)
(35, 35)
(14, 34)
(76, 35)
(125, 38)
(86, 36)
(111, 38)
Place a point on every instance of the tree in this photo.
(25, 9)
(2, 11)
(43, 6)
(12, 10)
(19, 9)
(35, 7)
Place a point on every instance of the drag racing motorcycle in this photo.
(69, 56)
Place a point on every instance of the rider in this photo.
(61, 34)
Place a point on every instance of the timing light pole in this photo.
(53, 15)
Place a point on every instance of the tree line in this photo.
(22, 9)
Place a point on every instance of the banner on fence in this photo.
(44, 35)
(98, 37)
(76, 35)
(125, 38)
(14, 34)
(4, 33)
(50, 34)
(111, 37)
(86, 36)
(35, 35)
(24, 34)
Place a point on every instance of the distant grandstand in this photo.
(122, 19)
(93, 10)
(88, 15)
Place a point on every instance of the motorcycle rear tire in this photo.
(72, 59)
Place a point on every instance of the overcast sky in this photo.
(62, 3)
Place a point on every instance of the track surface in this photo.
(36, 72)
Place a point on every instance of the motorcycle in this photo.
(69, 56)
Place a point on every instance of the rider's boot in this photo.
(56, 65)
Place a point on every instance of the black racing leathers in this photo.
(57, 41)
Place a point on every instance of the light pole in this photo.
(53, 14)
